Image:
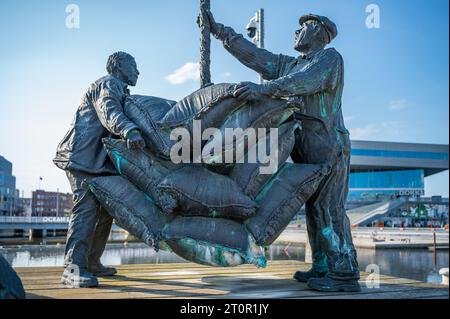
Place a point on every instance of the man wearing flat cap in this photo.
(315, 79)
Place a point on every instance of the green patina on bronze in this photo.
(323, 109)
(118, 159)
(266, 188)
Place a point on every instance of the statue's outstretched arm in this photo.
(267, 64)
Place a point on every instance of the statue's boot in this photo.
(334, 285)
(101, 271)
(304, 276)
(78, 278)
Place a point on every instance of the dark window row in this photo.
(401, 154)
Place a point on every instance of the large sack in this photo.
(131, 209)
(264, 113)
(201, 192)
(282, 197)
(250, 176)
(145, 112)
(10, 284)
(211, 105)
(213, 241)
(142, 168)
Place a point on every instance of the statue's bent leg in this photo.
(82, 222)
(314, 224)
(99, 240)
(329, 225)
(319, 258)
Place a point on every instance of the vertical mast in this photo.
(205, 48)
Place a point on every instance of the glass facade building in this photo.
(383, 170)
(388, 179)
(400, 154)
(374, 185)
(9, 195)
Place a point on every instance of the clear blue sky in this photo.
(396, 76)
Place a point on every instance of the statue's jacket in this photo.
(99, 115)
(317, 80)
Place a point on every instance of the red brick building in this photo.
(51, 203)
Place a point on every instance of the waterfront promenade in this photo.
(188, 280)
(363, 237)
(376, 238)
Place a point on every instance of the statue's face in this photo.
(128, 71)
(306, 35)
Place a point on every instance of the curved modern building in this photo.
(387, 169)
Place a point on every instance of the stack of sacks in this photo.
(211, 213)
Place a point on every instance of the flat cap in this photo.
(329, 25)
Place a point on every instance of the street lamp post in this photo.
(260, 15)
(255, 30)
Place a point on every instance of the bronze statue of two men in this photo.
(315, 77)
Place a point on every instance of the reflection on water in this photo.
(406, 263)
(115, 254)
(414, 264)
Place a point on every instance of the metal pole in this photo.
(57, 202)
(434, 249)
(205, 48)
(31, 204)
(260, 17)
(261, 27)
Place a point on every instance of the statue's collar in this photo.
(124, 85)
(308, 55)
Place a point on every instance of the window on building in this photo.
(388, 179)
(401, 154)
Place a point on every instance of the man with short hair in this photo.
(314, 81)
(82, 156)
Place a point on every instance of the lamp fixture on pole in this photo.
(255, 31)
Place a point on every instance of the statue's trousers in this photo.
(329, 229)
(89, 225)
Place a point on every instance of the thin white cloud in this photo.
(227, 74)
(397, 105)
(190, 71)
(376, 131)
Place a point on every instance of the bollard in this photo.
(308, 253)
(434, 249)
(444, 273)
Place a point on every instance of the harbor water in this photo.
(406, 263)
